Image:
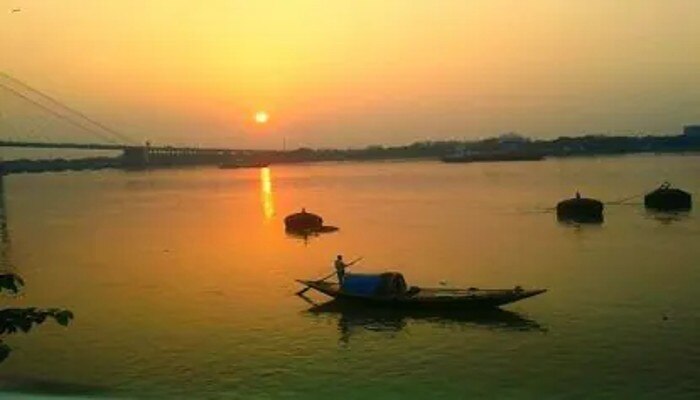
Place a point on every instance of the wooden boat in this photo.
(666, 198)
(304, 222)
(581, 210)
(389, 289)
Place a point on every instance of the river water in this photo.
(182, 282)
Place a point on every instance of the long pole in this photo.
(302, 291)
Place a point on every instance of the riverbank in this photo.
(591, 145)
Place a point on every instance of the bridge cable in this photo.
(116, 134)
(57, 114)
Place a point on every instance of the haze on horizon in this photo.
(350, 74)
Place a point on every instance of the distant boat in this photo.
(247, 164)
(303, 222)
(389, 289)
(506, 155)
(581, 210)
(666, 198)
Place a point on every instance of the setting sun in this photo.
(261, 117)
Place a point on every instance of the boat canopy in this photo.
(388, 283)
(666, 198)
(303, 221)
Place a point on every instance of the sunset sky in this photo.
(354, 73)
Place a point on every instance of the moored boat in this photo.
(667, 198)
(303, 222)
(580, 210)
(389, 289)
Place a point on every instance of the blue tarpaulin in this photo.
(362, 284)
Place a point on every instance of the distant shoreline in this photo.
(563, 147)
(95, 164)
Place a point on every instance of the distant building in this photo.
(692, 131)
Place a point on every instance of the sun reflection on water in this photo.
(268, 203)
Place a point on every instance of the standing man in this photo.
(340, 268)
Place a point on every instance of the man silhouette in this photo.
(340, 268)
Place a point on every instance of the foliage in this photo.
(10, 282)
(13, 320)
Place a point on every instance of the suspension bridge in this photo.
(102, 137)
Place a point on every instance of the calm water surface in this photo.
(182, 282)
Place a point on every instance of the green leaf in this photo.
(12, 319)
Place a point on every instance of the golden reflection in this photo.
(268, 203)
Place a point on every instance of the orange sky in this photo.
(352, 73)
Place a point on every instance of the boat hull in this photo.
(430, 298)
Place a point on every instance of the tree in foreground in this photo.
(14, 320)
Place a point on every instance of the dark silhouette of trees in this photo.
(14, 320)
